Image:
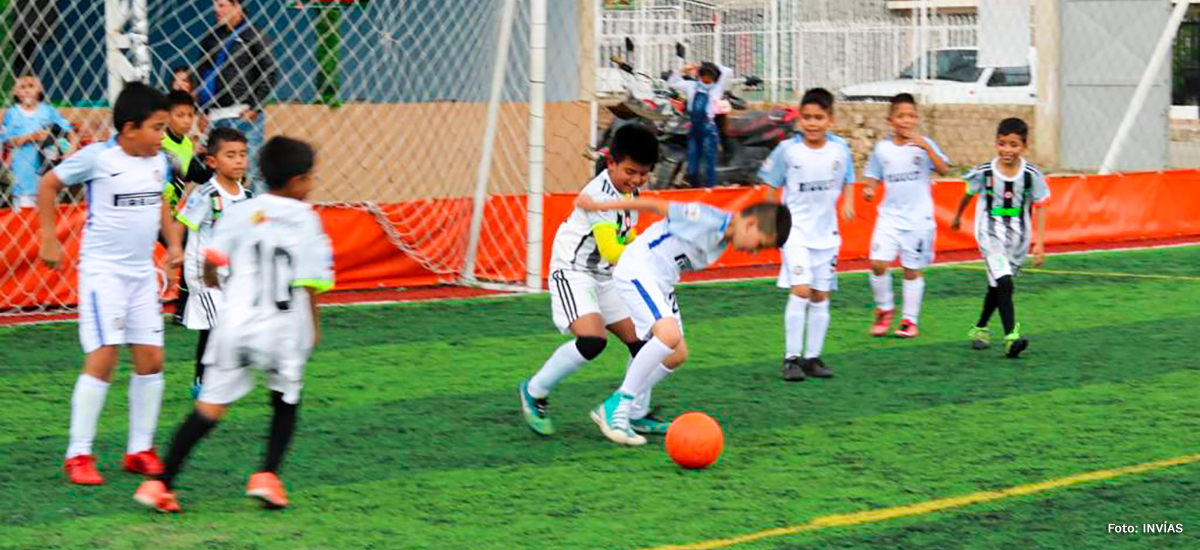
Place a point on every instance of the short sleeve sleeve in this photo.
(937, 151)
(975, 180)
(598, 218)
(10, 130)
(195, 211)
(78, 168)
(695, 221)
(849, 165)
(315, 268)
(61, 121)
(773, 171)
(1041, 189)
(874, 166)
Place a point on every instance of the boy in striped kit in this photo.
(1010, 188)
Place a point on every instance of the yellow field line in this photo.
(874, 516)
(1093, 273)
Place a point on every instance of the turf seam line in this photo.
(931, 506)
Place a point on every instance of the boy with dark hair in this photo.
(205, 205)
(703, 95)
(186, 171)
(279, 259)
(118, 286)
(691, 236)
(1011, 188)
(905, 228)
(583, 297)
(812, 171)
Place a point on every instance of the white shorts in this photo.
(203, 307)
(914, 247)
(279, 349)
(1001, 264)
(116, 309)
(648, 300)
(811, 267)
(574, 294)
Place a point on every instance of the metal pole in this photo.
(773, 58)
(489, 139)
(1143, 88)
(537, 143)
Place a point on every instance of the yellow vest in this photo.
(183, 152)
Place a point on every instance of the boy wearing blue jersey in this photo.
(691, 236)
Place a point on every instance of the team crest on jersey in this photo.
(692, 212)
(158, 175)
(258, 217)
(194, 200)
(916, 159)
(837, 166)
(798, 270)
(1008, 194)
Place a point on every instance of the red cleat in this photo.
(145, 463)
(267, 487)
(81, 470)
(908, 329)
(883, 321)
(154, 494)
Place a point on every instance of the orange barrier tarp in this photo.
(1082, 209)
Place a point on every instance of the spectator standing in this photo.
(30, 125)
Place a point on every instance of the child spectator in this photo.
(29, 125)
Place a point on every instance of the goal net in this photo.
(417, 108)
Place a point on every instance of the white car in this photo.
(957, 79)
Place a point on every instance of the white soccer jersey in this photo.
(124, 196)
(906, 171)
(575, 246)
(274, 245)
(812, 181)
(1003, 211)
(691, 238)
(205, 206)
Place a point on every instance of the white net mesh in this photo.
(392, 93)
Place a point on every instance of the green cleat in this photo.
(535, 411)
(612, 416)
(650, 424)
(1014, 344)
(981, 337)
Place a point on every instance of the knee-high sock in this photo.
(881, 287)
(793, 324)
(86, 403)
(818, 325)
(145, 401)
(914, 290)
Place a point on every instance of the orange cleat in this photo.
(145, 463)
(267, 487)
(883, 321)
(81, 470)
(908, 329)
(154, 494)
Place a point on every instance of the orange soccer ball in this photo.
(695, 440)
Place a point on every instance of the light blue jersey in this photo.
(812, 181)
(26, 162)
(907, 173)
(692, 237)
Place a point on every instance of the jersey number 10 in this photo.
(276, 267)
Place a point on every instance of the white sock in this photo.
(793, 324)
(86, 403)
(881, 286)
(641, 404)
(565, 360)
(818, 325)
(642, 367)
(145, 400)
(913, 291)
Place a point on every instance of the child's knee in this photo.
(802, 291)
(817, 296)
(879, 268)
(212, 411)
(667, 331)
(912, 274)
(101, 363)
(678, 357)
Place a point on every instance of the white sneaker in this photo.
(612, 416)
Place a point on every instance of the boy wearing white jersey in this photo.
(583, 297)
(691, 236)
(279, 258)
(200, 213)
(1010, 188)
(118, 286)
(811, 170)
(905, 228)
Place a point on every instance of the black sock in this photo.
(200, 345)
(1004, 302)
(989, 307)
(283, 425)
(193, 429)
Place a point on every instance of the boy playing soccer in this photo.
(905, 227)
(690, 237)
(118, 287)
(279, 258)
(702, 98)
(203, 209)
(1011, 187)
(811, 170)
(583, 297)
